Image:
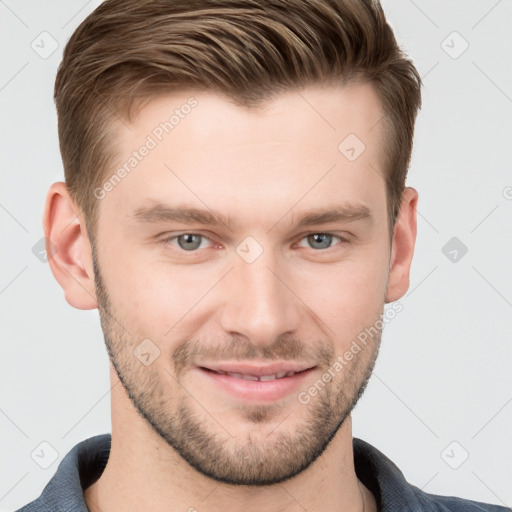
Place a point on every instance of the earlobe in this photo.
(68, 247)
(404, 239)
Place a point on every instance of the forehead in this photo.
(203, 150)
(323, 109)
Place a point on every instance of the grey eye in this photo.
(189, 242)
(323, 239)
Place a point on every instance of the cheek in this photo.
(156, 300)
(350, 295)
(164, 302)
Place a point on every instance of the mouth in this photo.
(247, 376)
(261, 378)
(256, 383)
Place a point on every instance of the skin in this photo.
(178, 441)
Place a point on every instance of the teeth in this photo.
(246, 377)
(262, 378)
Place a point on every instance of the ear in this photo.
(402, 249)
(68, 248)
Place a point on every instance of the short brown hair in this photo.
(129, 51)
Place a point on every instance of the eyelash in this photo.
(343, 241)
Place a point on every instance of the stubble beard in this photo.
(201, 440)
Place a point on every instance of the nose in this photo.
(259, 302)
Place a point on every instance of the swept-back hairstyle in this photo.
(129, 51)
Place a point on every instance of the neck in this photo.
(143, 469)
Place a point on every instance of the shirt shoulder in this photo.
(436, 503)
(81, 466)
(394, 494)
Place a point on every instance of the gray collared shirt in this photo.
(85, 462)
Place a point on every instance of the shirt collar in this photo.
(85, 462)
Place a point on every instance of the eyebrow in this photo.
(158, 212)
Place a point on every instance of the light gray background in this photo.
(444, 372)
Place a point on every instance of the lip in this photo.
(255, 390)
(258, 369)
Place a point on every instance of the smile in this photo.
(263, 385)
(256, 377)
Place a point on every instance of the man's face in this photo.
(178, 299)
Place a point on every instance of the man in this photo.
(274, 139)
